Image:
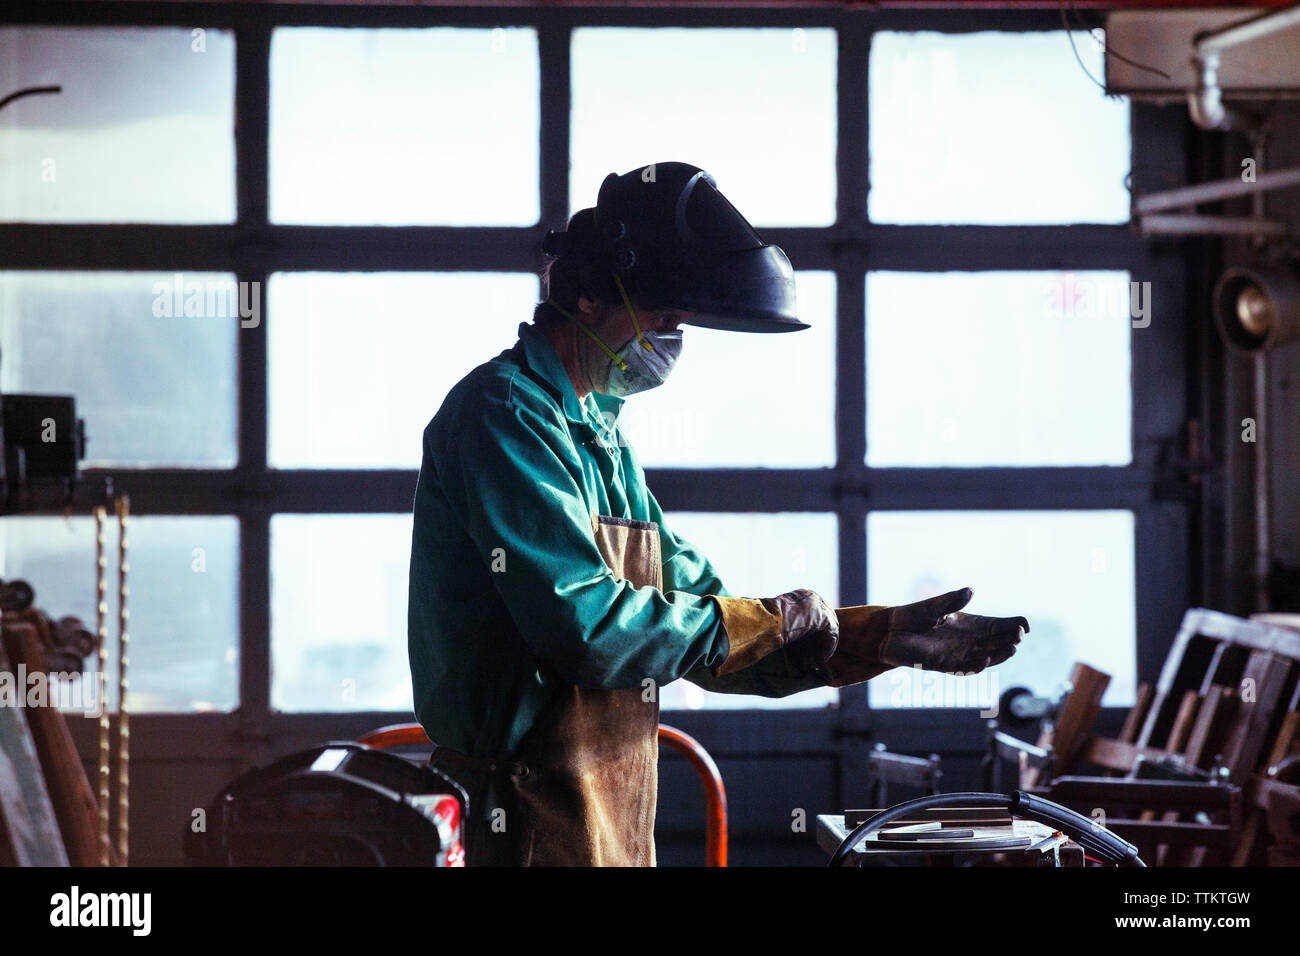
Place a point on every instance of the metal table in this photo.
(831, 832)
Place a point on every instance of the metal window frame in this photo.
(252, 249)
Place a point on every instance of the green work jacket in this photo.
(510, 600)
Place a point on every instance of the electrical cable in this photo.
(29, 91)
(1069, 35)
(1107, 48)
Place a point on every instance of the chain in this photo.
(101, 618)
(123, 658)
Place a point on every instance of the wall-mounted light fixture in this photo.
(1258, 309)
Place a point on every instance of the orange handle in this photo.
(714, 792)
(395, 735)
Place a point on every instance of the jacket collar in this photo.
(546, 365)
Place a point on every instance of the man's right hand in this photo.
(933, 634)
(937, 636)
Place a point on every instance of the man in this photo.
(549, 599)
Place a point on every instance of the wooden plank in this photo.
(31, 831)
(1207, 729)
(1282, 744)
(1204, 731)
(1188, 629)
(1137, 715)
(74, 803)
(1074, 725)
(1257, 635)
(1243, 731)
(1173, 833)
(1283, 808)
(1100, 791)
(1117, 754)
(1253, 705)
(1183, 723)
(1177, 743)
(1247, 743)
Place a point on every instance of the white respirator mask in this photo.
(643, 363)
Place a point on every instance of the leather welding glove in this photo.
(863, 630)
(799, 622)
(934, 634)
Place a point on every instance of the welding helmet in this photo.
(676, 242)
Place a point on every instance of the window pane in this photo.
(1071, 573)
(746, 400)
(142, 132)
(760, 555)
(400, 127)
(359, 363)
(998, 368)
(184, 600)
(338, 612)
(994, 128)
(754, 107)
(150, 358)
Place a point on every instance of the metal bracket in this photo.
(1185, 222)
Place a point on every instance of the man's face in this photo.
(614, 323)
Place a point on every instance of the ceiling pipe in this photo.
(1206, 103)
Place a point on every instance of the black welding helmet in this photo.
(676, 242)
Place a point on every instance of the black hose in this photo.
(1085, 831)
(29, 91)
(1097, 839)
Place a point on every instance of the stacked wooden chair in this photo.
(1206, 767)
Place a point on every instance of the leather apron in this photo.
(592, 757)
(584, 783)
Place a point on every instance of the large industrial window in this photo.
(404, 127)
(374, 184)
(143, 131)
